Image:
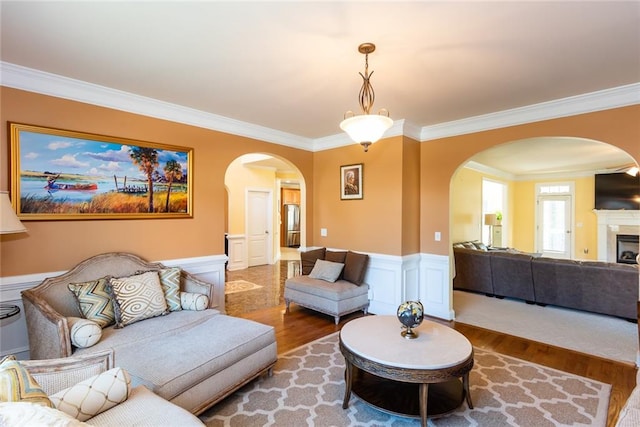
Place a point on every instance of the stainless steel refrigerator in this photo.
(291, 218)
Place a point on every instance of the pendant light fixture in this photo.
(366, 128)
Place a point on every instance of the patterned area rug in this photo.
(307, 389)
(236, 286)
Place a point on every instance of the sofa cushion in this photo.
(193, 301)
(355, 266)
(308, 259)
(95, 301)
(170, 282)
(138, 297)
(144, 408)
(326, 270)
(335, 256)
(83, 332)
(21, 414)
(337, 291)
(94, 395)
(221, 342)
(17, 384)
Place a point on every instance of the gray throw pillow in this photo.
(326, 270)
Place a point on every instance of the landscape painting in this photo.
(59, 174)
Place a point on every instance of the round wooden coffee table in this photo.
(423, 377)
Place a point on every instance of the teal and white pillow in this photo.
(170, 281)
(95, 301)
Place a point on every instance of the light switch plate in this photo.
(323, 232)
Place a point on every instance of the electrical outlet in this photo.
(437, 236)
(323, 232)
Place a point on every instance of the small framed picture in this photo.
(351, 182)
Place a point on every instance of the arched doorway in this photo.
(256, 185)
(521, 166)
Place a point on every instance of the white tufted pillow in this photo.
(94, 395)
(84, 333)
(193, 301)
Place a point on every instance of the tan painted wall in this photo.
(410, 196)
(466, 205)
(373, 224)
(524, 215)
(440, 159)
(385, 221)
(57, 245)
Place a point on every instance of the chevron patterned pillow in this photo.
(170, 281)
(17, 384)
(95, 301)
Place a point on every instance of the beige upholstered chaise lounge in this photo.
(191, 358)
(336, 293)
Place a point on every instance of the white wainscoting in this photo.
(395, 279)
(237, 248)
(13, 331)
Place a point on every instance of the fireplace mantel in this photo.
(611, 223)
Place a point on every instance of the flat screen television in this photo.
(617, 191)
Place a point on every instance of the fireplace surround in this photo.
(611, 224)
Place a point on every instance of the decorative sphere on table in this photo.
(410, 314)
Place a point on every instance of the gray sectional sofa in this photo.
(598, 287)
(192, 357)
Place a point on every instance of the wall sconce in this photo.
(9, 222)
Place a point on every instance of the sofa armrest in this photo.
(47, 329)
(215, 293)
(57, 374)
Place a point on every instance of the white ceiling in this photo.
(293, 66)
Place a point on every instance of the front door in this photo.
(259, 205)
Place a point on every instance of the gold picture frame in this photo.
(351, 181)
(66, 175)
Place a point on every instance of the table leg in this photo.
(348, 373)
(465, 385)
(424, 397)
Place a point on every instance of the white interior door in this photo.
(259, 235)
(554, 234)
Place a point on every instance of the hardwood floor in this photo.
(300, 326)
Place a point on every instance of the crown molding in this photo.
(606, 99)
(31, 80)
